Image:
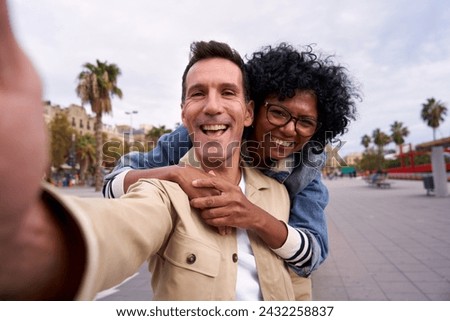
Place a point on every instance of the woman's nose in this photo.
(289, 128)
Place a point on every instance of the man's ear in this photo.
(182, 114)
(249, 113)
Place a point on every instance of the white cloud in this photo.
(397, 49)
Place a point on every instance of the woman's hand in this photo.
(232, 209)
(185, 175)
(228, 208)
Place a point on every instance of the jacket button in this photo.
(235, 257)
(191, 259)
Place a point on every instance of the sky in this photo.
(397, 51)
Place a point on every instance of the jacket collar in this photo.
(254, 179)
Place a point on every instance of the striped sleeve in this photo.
(113, 188)
(296, 250)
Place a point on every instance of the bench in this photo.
(378, 180)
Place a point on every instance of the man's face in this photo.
(215, 111)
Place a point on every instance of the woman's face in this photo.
(276, 142)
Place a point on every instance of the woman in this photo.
(302, 102)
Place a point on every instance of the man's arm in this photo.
(31, 241)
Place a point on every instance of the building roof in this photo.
(444, 142)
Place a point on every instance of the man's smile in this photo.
(214, 129)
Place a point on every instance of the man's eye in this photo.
(229, 93)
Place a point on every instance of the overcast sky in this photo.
(398, 50)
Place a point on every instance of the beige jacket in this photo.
(188, 259)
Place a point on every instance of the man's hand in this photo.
(32, 246)
(23, 139)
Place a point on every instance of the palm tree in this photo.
(97, 84)
(380, 139)
(398, 133)
(85, 154)
(433, 112)
(365, 141)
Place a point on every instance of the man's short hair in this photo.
(203, 50)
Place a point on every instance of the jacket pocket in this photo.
(193, 254)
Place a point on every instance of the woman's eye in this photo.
(279, 114)
(307, 122)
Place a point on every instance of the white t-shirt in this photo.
(247, 285)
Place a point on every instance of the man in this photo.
(72, 248)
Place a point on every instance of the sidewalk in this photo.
(385, 244)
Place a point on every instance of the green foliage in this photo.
(365, 141)
(433, 112)
(371, 161)
(392, 163)
(156, 132)
(60, 139)
(398, 133)
(97, 84)
(422, 159)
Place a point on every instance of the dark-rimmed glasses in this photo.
(279, 116)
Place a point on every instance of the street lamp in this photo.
(131, 122)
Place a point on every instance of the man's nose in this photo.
(214, 105)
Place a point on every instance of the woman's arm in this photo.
(183, 175)
(303, 243)
(168, 151)
(308, 216)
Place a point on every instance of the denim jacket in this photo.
(308, 194)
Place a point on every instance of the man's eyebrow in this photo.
(228, 85)
(231, 85)
(195, 86)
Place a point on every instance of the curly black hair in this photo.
(282, 70)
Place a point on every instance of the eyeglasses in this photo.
(279, 116)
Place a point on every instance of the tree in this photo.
(60, 139)
(380, 139)
(97, 84)
(433, 112)
(370, 161)
(398, 133)
(85, 148)
(156, 132)
(365, 141)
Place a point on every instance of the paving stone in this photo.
(385, 244)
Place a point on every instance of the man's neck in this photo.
(228, 169)
(231, 174)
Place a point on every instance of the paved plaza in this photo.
(385, 245)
